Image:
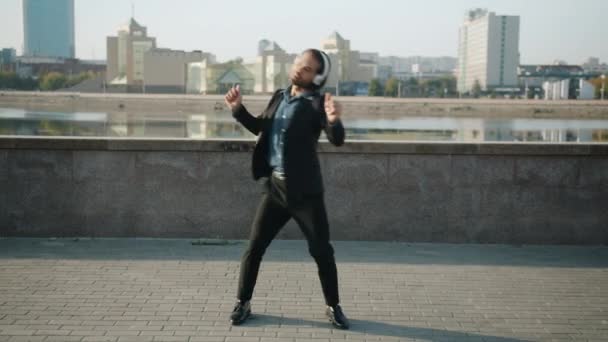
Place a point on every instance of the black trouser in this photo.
(272, 214)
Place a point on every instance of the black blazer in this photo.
(300, 158)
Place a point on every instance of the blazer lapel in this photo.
(268, 115)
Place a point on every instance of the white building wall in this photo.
(564, 89)
(488, 52)
(587, 90)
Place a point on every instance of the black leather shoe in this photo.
(240, 313)
(337, 317)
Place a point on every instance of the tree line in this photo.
(47, 82)
(413, 87)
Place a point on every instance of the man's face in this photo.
(304, 70)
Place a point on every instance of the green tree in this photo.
(53, 81)
(412, 87)
(476, 89)
(432, 88)
(413, 81)
(597, 83)
(530, 93)
(236, 61)
(74, 80)
(392, 87)
(28, 83)
(10, 80)
(376, 88)
(449, 84)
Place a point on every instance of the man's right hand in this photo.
(233, 97)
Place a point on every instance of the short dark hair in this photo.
(319, 58)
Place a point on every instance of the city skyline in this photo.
(392, 30)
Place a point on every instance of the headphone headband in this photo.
(319, 79)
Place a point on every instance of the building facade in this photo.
(165, 70)
(348, 65)
(271, 67)
(8, 57)
(125, 54)
(48, 28)
(488, 52)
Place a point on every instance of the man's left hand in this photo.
(333, 109)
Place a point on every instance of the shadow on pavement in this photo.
(297, 251)
(375, 328)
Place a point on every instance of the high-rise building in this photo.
(271, 67)
(8, 57)
(48, 28)
(488, 51)
(348, 65)
(125, 54)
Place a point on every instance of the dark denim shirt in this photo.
(280, 123)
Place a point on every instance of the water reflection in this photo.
(210, 126)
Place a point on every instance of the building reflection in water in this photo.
(223, 126)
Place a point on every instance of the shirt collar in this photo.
(307, 94)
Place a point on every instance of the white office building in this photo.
(488, 51)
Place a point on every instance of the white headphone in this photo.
(320, 78)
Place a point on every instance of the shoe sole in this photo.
(247, 315)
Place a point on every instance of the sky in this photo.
(569, 30)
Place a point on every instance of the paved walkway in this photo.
(172, 290)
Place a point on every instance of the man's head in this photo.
(308, 65)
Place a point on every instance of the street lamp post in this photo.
(399, 88)
(603, 90)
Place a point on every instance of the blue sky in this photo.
(559, 29)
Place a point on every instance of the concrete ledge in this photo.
(357, 147)
(415, 192)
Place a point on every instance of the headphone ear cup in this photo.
(317, 80)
